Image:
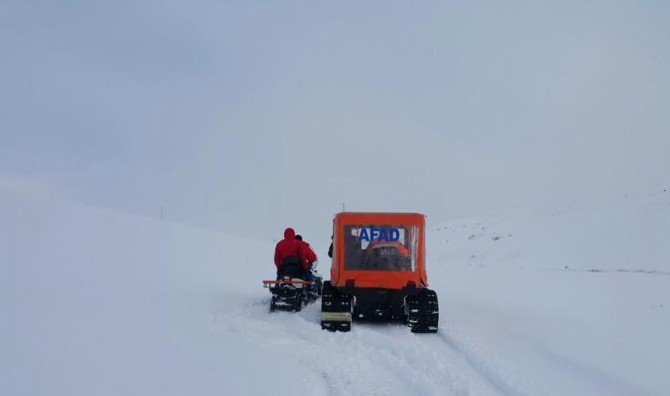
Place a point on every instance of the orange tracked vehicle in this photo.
(378, 272)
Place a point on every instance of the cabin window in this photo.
(380, 247)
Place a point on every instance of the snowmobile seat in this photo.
(291, 268)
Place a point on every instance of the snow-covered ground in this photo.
(565, 303)
(98, 302)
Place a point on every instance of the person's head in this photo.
(298, 237)
(289, 233)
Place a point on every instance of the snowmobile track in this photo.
(371, 359)
(479, 366)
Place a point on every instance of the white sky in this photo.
(252, 116)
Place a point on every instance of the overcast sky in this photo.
(250, 116)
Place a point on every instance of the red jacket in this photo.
(289, 246)
(309, 254)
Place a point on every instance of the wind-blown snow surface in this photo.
(99, 302)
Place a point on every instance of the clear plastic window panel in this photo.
(380, 248)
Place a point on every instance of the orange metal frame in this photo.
(268, 283)
(339, 276)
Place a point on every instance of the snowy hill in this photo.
(574, 302)
(105, 303)
(94, 301)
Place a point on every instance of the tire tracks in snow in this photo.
(372, 359)
(480, 367)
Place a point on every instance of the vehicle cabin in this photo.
(378, 250)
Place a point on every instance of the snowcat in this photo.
(378, 273)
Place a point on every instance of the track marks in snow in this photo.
(479, 366)
(376, 359)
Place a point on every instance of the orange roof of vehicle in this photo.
(380, 217)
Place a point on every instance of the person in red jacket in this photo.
(317, 281)
(309, 253)
(290, 250)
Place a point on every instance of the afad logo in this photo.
(379, 234)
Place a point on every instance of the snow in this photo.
(95, 301)
(573, 302)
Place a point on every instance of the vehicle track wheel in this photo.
(423, 312)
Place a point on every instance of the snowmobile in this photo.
(378, 273)
(291, 291)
